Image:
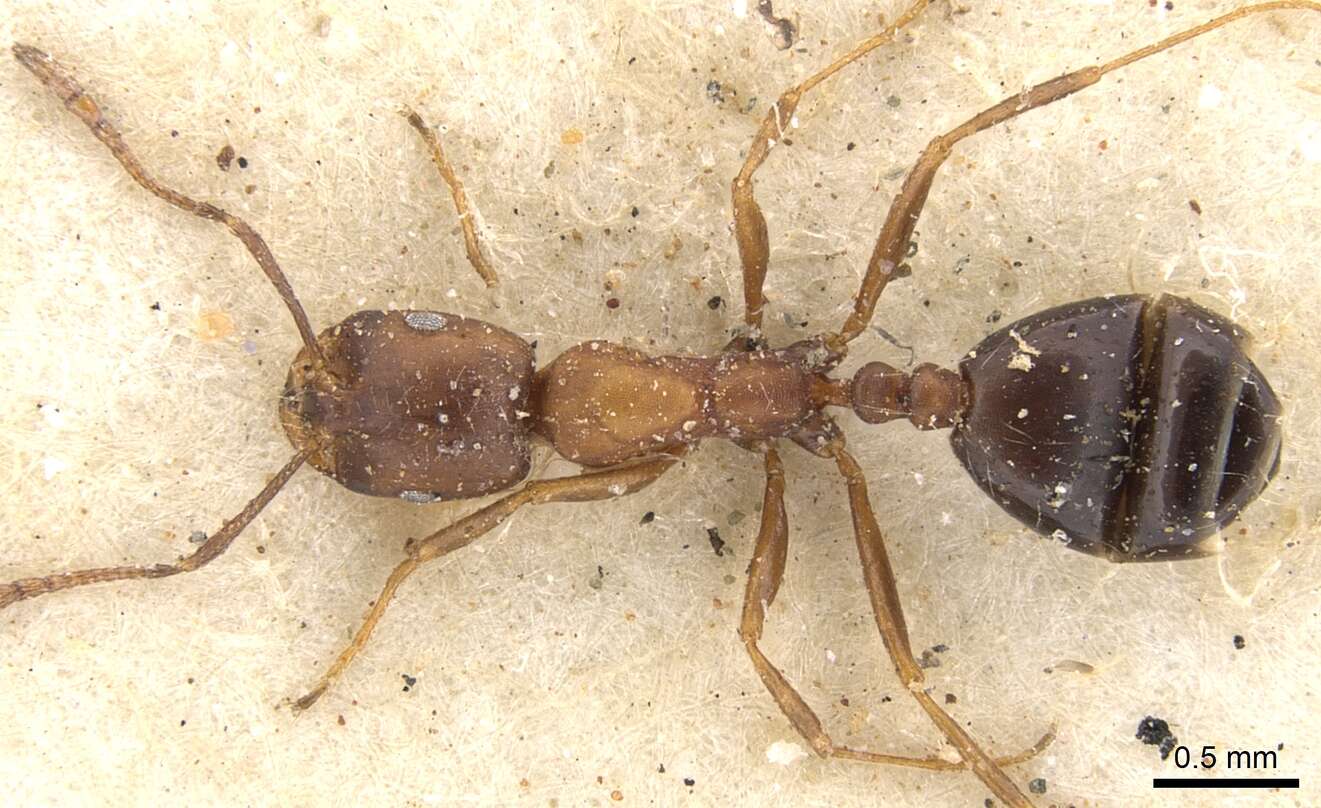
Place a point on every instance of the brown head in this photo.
(421, 405)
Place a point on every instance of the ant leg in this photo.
(749, 223)
(607, 484)
(765, 572)
(884, 595)
(57, 79)
(471, 245)
(25, 588)
(902, 217)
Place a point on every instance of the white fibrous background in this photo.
(577, 655)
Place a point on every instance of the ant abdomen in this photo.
(1131, 427)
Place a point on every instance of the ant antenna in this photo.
(58, 80)
(25, 588)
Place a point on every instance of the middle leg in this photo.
(749, 222)
(765, 572)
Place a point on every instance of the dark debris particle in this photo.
(1156, 732)
(661, 768)
(243, 162)
(1192, 203)
(340, 720)
(647, 518)
(688, 781)
(715, 303)
(893, 101)
(1239, 642)
(409, 681)
(929, 658)
(635, 212)
(715, 92)
(1037, 785)
(851, 146)
(225, 157)
(717, 543)
(612, 303)
(156, 306)
(950, 698)
(597, 580)
(786, 33)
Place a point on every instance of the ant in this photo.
(429, 406)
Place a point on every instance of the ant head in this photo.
(418, 405)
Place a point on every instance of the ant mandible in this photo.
(1130, 427)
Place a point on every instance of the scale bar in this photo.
(1224, 782)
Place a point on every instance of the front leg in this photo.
(472, 245)
(608, 484)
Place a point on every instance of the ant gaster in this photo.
(1127, 426)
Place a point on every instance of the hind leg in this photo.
(765, 572)
(902, 217)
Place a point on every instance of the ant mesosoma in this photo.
(1129, 426)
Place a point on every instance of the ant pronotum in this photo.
(990, 773)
